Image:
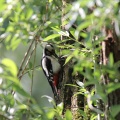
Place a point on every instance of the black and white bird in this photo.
(51, 67)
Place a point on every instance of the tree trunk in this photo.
(70, 101)
(111, 44)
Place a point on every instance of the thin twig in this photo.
(29, 70)
(2, 40)
(27, 53)
(27, 63)
(33, 67)
(25, 57)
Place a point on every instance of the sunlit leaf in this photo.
(10, 65)
(68, 59)
(2, 5)
(50, 0)
(56, 29)
(50, 114)
(12, 79)
(14, 43)
(51, 37)
(64, 33)
(29, 13)
(60, 108)
(23, 106)
(68, 115)
(111, 60)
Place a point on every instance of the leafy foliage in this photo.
(22, 21)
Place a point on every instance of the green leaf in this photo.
(50, 114)
(51, 37)
(111, 60)
(83, 25)
(112, 87)
(2, 5)
(10, 66)
(68, 115)
(56, 29)
(30, 65)
(68, 59)
(50, 1)
(83, 114)
(10, 99)
(115, 110)
(20, 90)
(60, 108)
(14, 43)
(29, 13)
(23, 106)
(13, 79)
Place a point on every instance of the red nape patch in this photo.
(55, 79)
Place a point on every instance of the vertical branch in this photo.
(70, 101)
(33, 67)
(110, 45)
(67, 76)
(27, 63)
(25, 57)
(28, 51)
(67, 79)
(105, 55)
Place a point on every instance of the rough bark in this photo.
(71, 102)
(111, 44)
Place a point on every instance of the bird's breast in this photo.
(55, 65)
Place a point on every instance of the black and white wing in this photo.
(48, 71)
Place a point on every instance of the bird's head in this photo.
(50, 50)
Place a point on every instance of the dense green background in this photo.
(21, 21)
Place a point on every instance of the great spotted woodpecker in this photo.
(51, 67)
